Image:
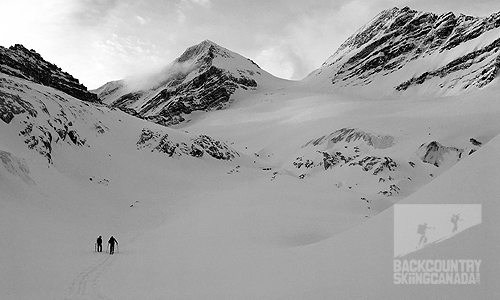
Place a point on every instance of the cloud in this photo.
(94, 12)
(187, 6)
(481, 8)
(141, 20)
(204, 3)
(152, 78)
(181, 16)
(274, 61)
(313, 38)
(282, 60)
(302, 43)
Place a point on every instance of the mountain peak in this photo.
(205, 77)
(204, 50)
(208, 43)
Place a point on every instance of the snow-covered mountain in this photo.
(205, 77)
(414, 51)
(285, 193)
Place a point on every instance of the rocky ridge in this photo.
(195, 147)
(28, 64)
(396, 37)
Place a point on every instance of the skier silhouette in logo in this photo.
(422, 229)
(111, 243)
(454, 220)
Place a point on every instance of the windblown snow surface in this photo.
(286, 218)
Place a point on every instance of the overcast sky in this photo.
(102, 40)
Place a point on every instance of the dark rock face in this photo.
(398, 36)
(210, 90)
(12, 104)
(28, 64)
(475, 142)
(434, 153)
(195, 147)
(377, 164)
(483, 75)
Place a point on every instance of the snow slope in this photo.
(356, 264)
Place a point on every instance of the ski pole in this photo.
(95, 247)
(107, 248)
(117, 249)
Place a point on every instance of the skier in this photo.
(422, 228)
(454, 220)
(99, 244)
(111, 243)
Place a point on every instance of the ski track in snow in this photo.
(86, 284)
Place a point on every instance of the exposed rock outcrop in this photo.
(377, 164)
(351, 135)
(434, 153)
(12, 104)
(338, 154)
(28, 64)
(195, 147)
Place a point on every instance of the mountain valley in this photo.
(222, 181)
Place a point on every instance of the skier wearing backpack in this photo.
(422, 229)
(99, 244)
(111, 243)
(454, 220)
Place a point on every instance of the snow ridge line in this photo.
(85, 285)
